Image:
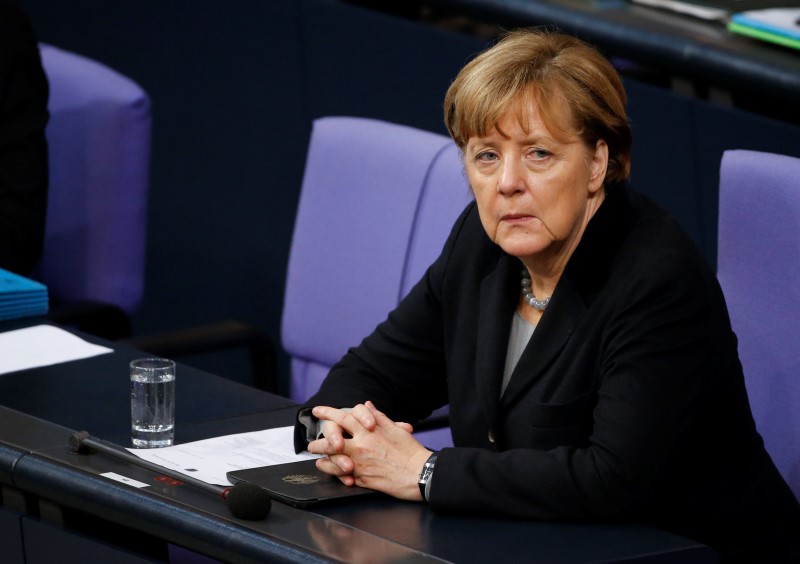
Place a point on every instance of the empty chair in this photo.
(99, 152)
(758, 267)
(377, 203)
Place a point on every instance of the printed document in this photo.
(210, 460)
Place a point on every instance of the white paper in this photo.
(42, 345)
(209, 460)
(125, 480)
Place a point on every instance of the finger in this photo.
(407, 427)
(322, 446)
(336, 465)
(335, 436)
(380, 418)
(342, 418)
(364, 416)
(331, 440)
(344, 462)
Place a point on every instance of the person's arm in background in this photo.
(23, 148)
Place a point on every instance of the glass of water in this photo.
(152, 402)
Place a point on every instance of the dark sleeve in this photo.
(661, 356)
(400, 367)
(23, 148)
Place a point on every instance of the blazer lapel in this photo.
(499, 295)
(585, 275)
(565, 311)
(583, 278)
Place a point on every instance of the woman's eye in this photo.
(539, 154)
(486, 156)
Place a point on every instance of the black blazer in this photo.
(627, 404)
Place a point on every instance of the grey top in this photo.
(521, 333)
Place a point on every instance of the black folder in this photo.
(297, 483)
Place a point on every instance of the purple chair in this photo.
(99, 151)
(759, 267)
(377, 203)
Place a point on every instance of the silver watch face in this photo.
(427, 470)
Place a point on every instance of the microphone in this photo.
(245, 501)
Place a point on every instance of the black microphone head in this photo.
(76, 440)
(248, 501)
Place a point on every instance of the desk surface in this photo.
(380, 529)
(35, 458)
(94, 394)
(678, 43)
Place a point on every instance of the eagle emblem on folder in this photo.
(300, 479)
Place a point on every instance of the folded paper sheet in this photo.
(42, 345)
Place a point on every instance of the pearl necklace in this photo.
(527, 293)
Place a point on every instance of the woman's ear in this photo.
(598, 166)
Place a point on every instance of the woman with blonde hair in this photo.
(581, 341)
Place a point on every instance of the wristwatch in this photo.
(426, 473)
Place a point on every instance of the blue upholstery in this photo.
(759, 267)
(99, 150)
(377, 203)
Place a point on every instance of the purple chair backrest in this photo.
(99, 150)
(759, 267)
(377, 203)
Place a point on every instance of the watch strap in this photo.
(426, 473)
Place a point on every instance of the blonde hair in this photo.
(558, 72)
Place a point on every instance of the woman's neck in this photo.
(546, 268)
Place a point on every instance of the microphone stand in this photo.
(81, 442)
(245, 501)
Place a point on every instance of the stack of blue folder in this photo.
(20, 296)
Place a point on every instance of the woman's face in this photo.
(535, 192)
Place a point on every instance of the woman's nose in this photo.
(511, 178)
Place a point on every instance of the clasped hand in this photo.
(363, 447)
